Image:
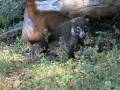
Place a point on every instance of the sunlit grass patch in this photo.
(8, 55)
(52, 74)
(57, 71)
(3, 82)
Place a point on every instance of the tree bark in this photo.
(93, 8)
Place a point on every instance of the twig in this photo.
(17, 29)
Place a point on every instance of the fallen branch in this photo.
(17, 30)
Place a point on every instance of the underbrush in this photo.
(11, 11)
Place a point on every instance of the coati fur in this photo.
(36, 22)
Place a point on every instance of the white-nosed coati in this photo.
(36, 22)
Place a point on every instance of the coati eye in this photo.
(77, 29)
(85, 28)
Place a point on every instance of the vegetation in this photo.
(96, 67)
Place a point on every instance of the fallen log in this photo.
(92, 8)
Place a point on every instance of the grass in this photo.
(92, 71)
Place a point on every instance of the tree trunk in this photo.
(93, 8)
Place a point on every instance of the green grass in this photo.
(92, 71)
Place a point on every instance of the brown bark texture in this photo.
(93, 8)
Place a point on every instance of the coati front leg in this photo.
(44, 45)
(70, 52)
(37, 48)
(70, 45)
(51, 38)
(81, 43)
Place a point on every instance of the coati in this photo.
(74, 32)
(36, 22)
